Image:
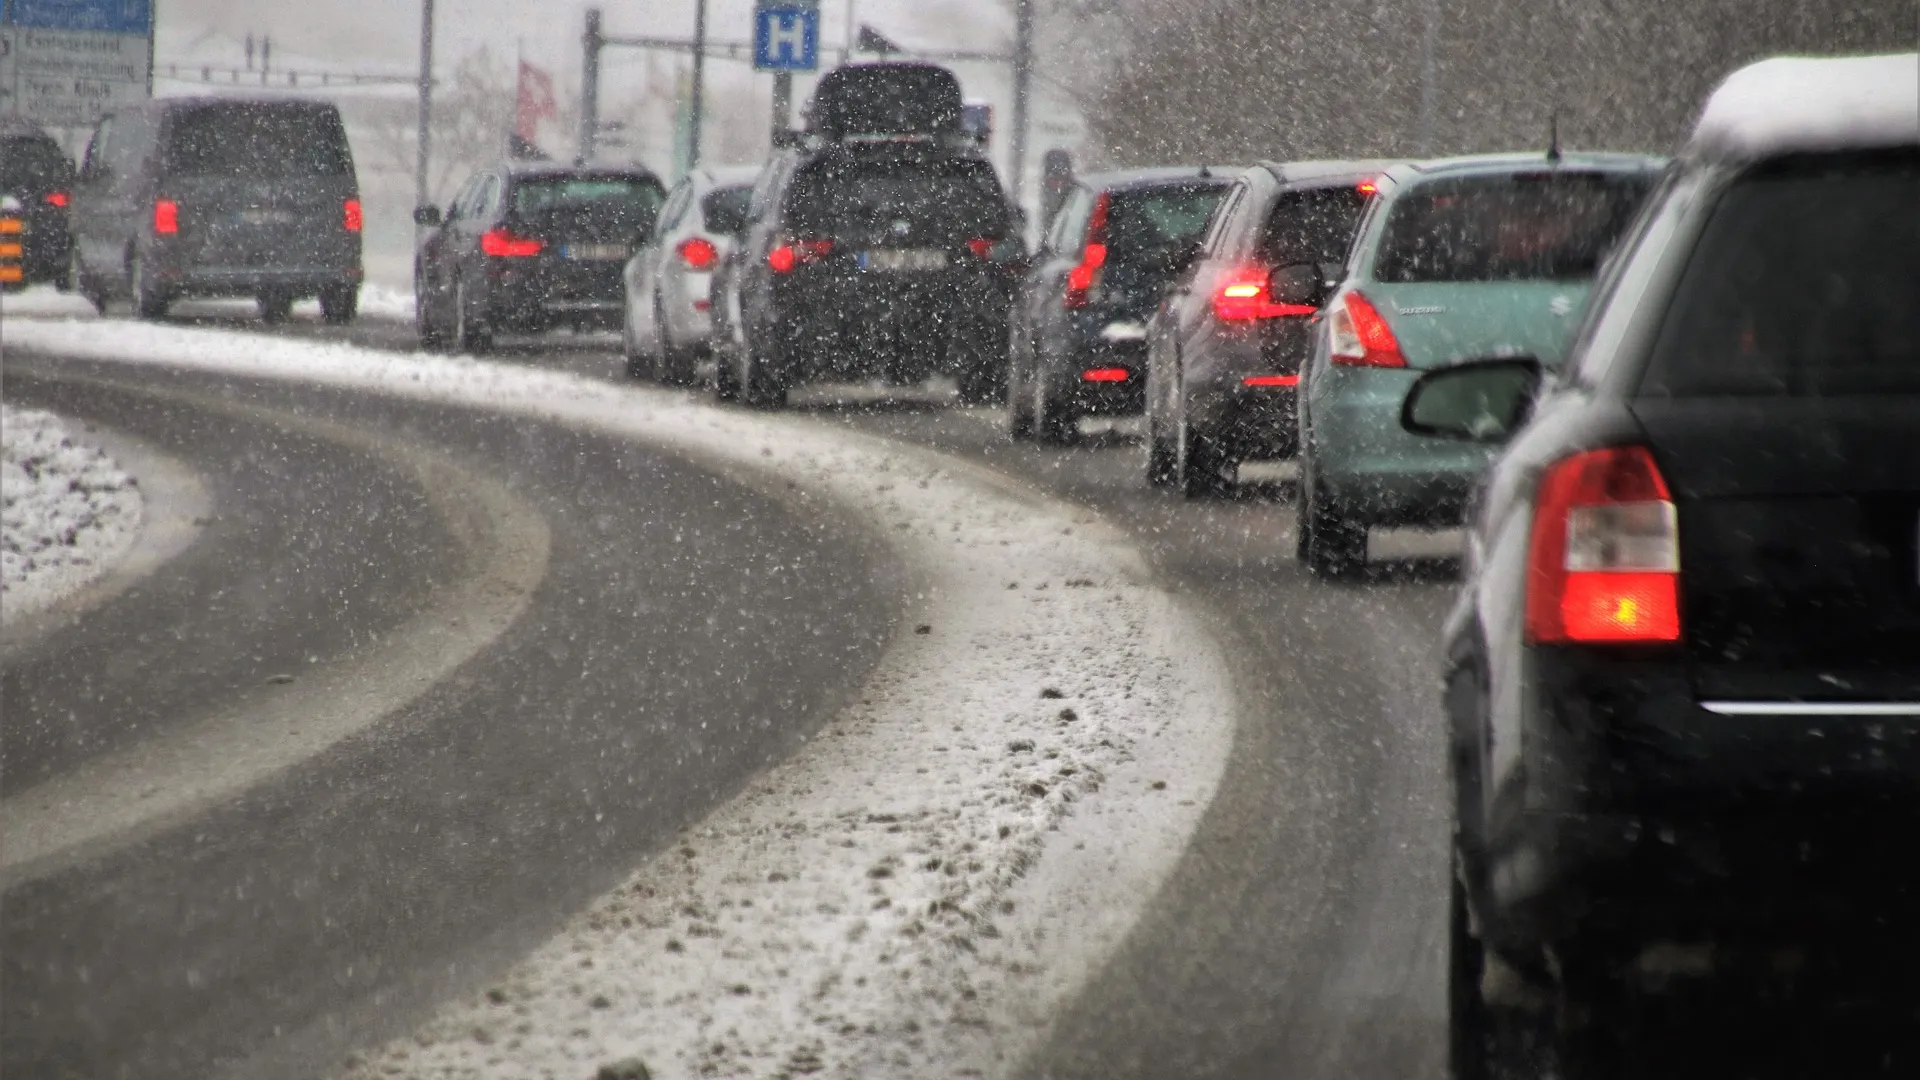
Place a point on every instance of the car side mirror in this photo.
(1302, 284)
(428, 216)
(1483, 401)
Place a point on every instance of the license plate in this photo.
(597, 252)
(257, 216)
(903, 259)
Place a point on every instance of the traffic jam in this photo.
(1500, 578)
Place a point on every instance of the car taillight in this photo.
(798, 253)
(58, 198)
(1084, 278)
(981, 246)
(166, 217)
(1604, 557)
(698, 253)
(1245, 295)
(1360, 337)
(1270, 381)
(1106, 375)
(502, 244)
(350, 215)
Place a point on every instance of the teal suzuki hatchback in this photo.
(1455, 260)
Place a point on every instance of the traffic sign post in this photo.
(66, 63)
(786, 39)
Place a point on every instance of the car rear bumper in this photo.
(838, 326)
(1648, 815)
(216, 281)
(1101, 378)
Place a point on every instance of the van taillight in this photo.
(1084, 278)
(1604, 557)
(350, 214)
(166, 217)
(1358, 336)
(58, 199)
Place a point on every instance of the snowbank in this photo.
(915, 893)
(67, 512)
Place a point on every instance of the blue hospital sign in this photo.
(786, 37)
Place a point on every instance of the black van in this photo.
(212, 197)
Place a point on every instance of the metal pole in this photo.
(590, 44)
(782, 103)
(426, 104)
(846, 46)
(1022, 92)
(694, 108)
(1429, 72)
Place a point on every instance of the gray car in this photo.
(668, 324)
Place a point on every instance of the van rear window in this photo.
(1803, 284)
(1551, 226)
(895, 201)
(249, 139)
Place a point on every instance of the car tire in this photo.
(471, 334)
(1199, 469)
(1053, 421)
(982, 376)
(149, 302)
(339, 304)
(432, 334)
(275, 307)
(638, 365)
(84, 284)
(759, 388)
(1330, 543)
(1162, 462)
(1019, 398)
(672, 366)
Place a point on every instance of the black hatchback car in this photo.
(220, 197)
(34, 170)
(1684, 671)
(888, 254)
(528, 247)
(1227, 348)
(1079, 335)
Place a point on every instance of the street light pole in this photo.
(426, 104)
(698, 104)
(1429, 72)
(590, 44)
(1022, 91)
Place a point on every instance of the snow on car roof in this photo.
(1796, 104)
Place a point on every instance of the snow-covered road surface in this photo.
(70, 513)
(914, 893)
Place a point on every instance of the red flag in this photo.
(536, 103)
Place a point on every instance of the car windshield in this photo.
(1803, 285)
(251, 139)
(1544, 226)
(1152, 225)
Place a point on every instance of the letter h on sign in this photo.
(786, 38)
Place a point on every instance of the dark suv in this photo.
(1079, 345)
(1684, 670)
(220, 197)
(873, 254)
(36, 171)
(527, 247)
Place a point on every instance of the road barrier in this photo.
(13, 235)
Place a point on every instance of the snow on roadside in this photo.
(68, 513)
(915, 892)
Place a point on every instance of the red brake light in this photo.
(1604, 557)
(1270, 380)
(698, 253)
(1368, 187)
(981, 246)
(1106, 374)
(1360, 337)
(57, 198)
(502, 244)
(350, 215)
(1244, 295)
(166, 217)
(798, 253)
(1084, 278)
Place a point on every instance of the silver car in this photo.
(668, 324)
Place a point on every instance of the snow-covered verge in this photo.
(916, 892)
(68, 513)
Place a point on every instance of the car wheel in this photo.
(275, 307)
(1053, 421)
(1162, 463)
(84, 284)
(148, 301)
(673, 366)
(1019, 397)
(638, 365)
(1199, 469)
(339, 304)
(432, 334)
(759, 388)
(1332, 545)
(471, 334)
(983, 376)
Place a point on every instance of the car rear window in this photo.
(868, 200)
(634, 194)
(723, 205)
(1158, 223)
(1544, 226)
(1803, 284)
(33, 165)
(1312, 226)
(244, 139)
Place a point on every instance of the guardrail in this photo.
(13, 247)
